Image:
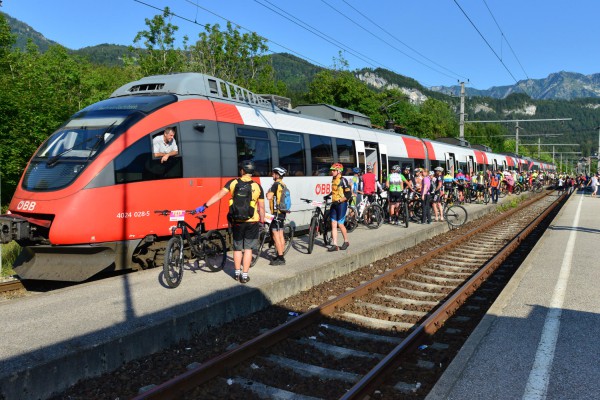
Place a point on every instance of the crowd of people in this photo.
(431, 189)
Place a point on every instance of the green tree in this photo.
(159, 55)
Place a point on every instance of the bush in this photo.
(9, 253)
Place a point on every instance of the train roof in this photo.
(192, 84)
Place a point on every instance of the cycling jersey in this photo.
(395, 182)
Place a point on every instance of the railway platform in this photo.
(52, 340)
(539, 340)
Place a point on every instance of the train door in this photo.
(360, 154)
(471, 164)
(384, 169)
(495, 165)
(450, 162)
(504, 166)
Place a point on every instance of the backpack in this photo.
(241, 206)
(284, 202)
(346, 187)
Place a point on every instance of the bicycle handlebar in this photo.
(167, 212)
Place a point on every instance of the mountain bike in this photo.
(188, 242)
(266, 244)
(369, 213)
(319, 222)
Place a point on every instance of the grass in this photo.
(513, 203)
(9, 253)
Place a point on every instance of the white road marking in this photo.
(539, 377)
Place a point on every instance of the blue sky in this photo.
(432, 41)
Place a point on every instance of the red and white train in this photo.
(86, 200)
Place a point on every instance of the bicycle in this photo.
(191, 242)
(266, 244)
(401, 211)
(369, 213)
(319, 223)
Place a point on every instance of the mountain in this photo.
(560, 85)
(24, 32)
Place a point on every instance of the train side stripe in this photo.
(414, 147)
(430, 150)
(227, 113)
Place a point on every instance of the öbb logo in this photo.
(323, 188)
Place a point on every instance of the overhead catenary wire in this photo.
(504, 37)
(454, 74)
(489, 45)
(227, 20)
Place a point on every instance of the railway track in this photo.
(379, 339)
(11, 286)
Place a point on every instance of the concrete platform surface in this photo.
(540, 338)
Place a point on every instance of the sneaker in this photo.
(278, 261)
(333, 248)
(237, 276)
(244, 279)
(345, 246)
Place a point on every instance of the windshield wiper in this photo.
(54, 159)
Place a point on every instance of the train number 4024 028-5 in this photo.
(134, 214)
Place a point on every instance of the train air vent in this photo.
(147, 87)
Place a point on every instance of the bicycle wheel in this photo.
(456, 215)
(212, 246)
(327, 237)
(538, 188)
(373, 216)
(404, 213)
(351, 221)
(486, 196)
(262, 238)
(418, 209)
(288, 237)
(312, 234)
(502, 190)
(173, 265)
(517, 189)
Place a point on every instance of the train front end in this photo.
(57, 212)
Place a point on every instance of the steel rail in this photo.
(177, 386)
(374, 378)
(9, 286)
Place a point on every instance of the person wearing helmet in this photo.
(369, 183)
(340, 192)
(273, 195)
(395, 185)
(246, 231)
(461, 181)
(357, 185)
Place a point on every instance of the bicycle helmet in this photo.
(247, 166)
(337, 167)
(356, 170)
(396, 168)
(280, 171)
(439, 169)
(369, 167)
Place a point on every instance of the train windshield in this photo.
(70, 149)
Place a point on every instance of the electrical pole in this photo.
(461, 132)
(598, 149)
(517, 137)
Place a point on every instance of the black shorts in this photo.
(395, 197)
(278, 222)
(245, 235)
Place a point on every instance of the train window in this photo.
(137, 164)
(291, 153)
(255, 145)
(346, 152)
(322, 154)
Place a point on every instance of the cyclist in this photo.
(461, 180)
(495, 180)
(246, 232)
(339, 206)
(369, 183)
(395, 185)
(479, 186)
(357, 185)
(438, 183)
(273, 195)
(449, 183)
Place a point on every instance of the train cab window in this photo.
(322, 154)
(137, 163)
(255, 145)
(291, 153)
